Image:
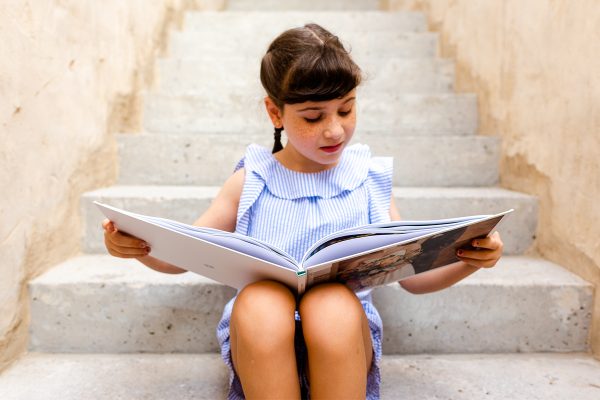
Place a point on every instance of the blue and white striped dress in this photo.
(292, 210)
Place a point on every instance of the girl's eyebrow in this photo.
(319, 108)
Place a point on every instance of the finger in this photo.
(107, 225)
(124, 240)
(122, 251)
(478, 254)
(479, 263)
(484, 243)
(116, 253)
(491, 242)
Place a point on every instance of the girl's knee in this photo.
(329, 297)
(264, 309)
(331, 313)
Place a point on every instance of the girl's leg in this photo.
(338, 339)
(262, 341)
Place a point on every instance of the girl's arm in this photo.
(394, 214)
(222, 214)
(486, 255)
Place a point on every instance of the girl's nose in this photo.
(335, 130)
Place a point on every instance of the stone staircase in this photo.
(104, 328)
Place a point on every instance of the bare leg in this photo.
(337, 335)
(262, 341)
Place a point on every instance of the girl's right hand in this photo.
(121, 244)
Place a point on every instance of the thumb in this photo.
(109, 226)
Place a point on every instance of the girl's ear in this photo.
(274, 112)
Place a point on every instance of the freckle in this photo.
(17, 110)
(71, 64)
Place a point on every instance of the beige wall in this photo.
(70, 78)
(535, 67)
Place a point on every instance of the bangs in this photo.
(320, 77)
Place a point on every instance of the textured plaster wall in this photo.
(535, 67)
(70, 78)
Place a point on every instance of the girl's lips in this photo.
(332, 149)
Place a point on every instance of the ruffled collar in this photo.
(350, 172)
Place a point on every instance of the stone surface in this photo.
(271, 23)
(286, 5)
(187, 77)
(447, 114)
(104, 304)
(186, 204)
(215, 45)
(522, 305)
(183, 159)
(551, 130)
(191, 376)
(71, 74)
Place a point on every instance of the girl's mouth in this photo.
(332, 149)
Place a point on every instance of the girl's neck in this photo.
(291, 159)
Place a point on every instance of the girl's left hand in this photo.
(486, 255)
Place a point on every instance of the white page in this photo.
(214, 261)
(231, 240)
(400, 226)
(366, 244)
(358, 245)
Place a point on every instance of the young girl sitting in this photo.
(327, 344)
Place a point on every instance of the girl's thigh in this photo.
(262, 319)
(334, 318)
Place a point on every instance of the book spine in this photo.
(302, 277)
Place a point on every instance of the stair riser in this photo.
(362, 46)
(116, 318)
(517, 231)
(108, 318)
(180, 77)
(208, 160)
(278, 5)
(206, 377)
(242, 112)
(260, 22)
(486, 319)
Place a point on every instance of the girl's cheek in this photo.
(304, 130)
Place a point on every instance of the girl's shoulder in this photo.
(356, 167)
(256, 157)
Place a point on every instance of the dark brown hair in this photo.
(308, 63)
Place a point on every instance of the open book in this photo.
(362, 257)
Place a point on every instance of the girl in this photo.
(327, 344)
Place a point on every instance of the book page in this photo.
(225, 259)
(396, 261)
(384, 228)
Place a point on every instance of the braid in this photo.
(277, 146)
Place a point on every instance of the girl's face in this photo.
(317, 132)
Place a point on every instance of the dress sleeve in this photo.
(240, 164)
(379, 185)
(253, 186)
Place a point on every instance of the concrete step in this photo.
(391, 76)
(103, 304)
(226, 43)
(187, 203)
(303, 5)
(259, 23)
(40, 376)
(185, 159)
(242, 111)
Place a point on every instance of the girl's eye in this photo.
(341, 113)
(312, 120)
